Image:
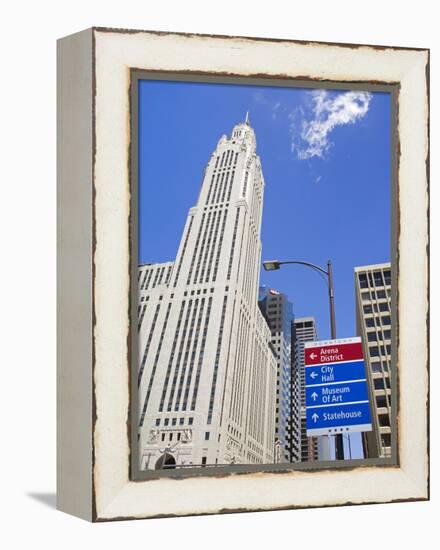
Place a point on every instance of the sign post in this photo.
(336, 387)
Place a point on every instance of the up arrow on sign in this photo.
(314, 396)
(315, 417)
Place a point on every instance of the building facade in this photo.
(207, 374)
(278, 313)
(304, 330)
(373, 321)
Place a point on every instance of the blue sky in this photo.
(327, 167)
(326, 164)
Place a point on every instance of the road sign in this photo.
(336, 387)
(335, 372)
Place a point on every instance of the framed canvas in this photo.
(243, 314)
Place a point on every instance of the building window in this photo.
(378, 278)
(157, 421)
(363, 282)
(384, 420)
(381, 401)
(376, 367)
(206, 436)
(203, 460)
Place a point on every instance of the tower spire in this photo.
(247, 118)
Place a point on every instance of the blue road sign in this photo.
(337, 397)
(335, 372)
(333, 394)
(338, 418)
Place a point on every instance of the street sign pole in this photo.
(331, 296)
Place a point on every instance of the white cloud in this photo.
(275, 109)
(310, 134)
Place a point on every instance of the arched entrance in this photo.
(165, 461)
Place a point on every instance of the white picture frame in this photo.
(94, 200)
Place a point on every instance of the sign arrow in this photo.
(313, 355)
(315, 417)
(313, 375)
(314, 396)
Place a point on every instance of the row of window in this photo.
(159, 274)
(186, 355)
(225, 159)
(147, 345)
(375, 279)
(156, 360)
(206, 255)
(217, 360)
(381, 306)
(196, 247)
(378, 321)
(206, 240)
(234, 237)
(382, 383)
(378, 295)
(375, 351)
(183, 251)
(184, 349)
(374, 336)
(175, 421)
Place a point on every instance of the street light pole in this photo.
(274, 265)
(331, 296)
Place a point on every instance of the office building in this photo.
(207, 375)
(277, 311)
(304, 330)
(373, 321)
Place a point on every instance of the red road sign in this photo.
(319, 353)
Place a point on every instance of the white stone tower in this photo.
(207, 376)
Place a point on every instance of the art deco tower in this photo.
(207, 376)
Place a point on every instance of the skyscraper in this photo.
(373, 320)
(207, 375)
(277, 311)
(304, 331)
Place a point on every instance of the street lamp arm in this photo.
(307, 264)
